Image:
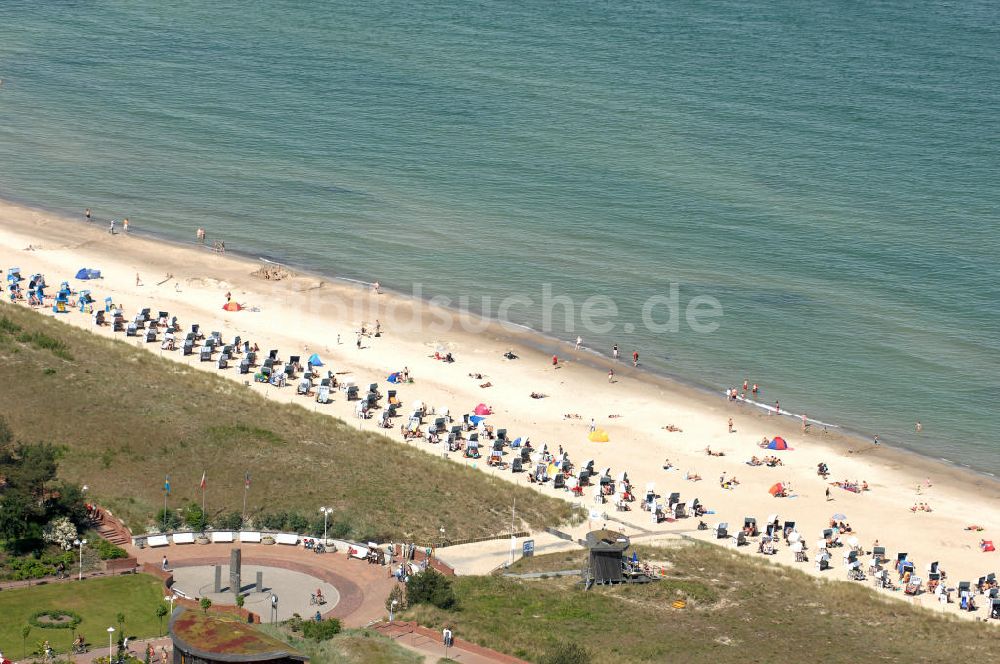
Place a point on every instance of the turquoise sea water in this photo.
(827, 171)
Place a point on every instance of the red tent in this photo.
(232, 306)
(483, 409)
(778, 444)
(776, 489)
(987, 545)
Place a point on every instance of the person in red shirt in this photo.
(635, 358)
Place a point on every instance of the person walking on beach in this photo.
(359, 342)
(635, 358)
(593, 425)
(875, 440)
(731, 425)
(827, 494)
(614, 351)
(611, 375)
(86, 213)
(111, 228)
(579, 341)
(138, 281)
(555, 360)
(777, 407)
(125, 224)
(805, 423)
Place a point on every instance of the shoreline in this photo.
(518, 334)
(308, 311)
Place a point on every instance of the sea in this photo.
(803, 194)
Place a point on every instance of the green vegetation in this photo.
(97, 602)
(11, 331)
(180, 421)
(322, 630)
(353, 646)
(735, 605)
(430, 587)
(54, 619)
(106, 550)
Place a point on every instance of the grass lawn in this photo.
(127, 418)
(97, 601)
(738, 610)
(349, 647)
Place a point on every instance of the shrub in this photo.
(205, 604)
(168, 520)
(322, 630)
(231, 521)
(194, 517)
(68, 619)
(108, 551)
(566, 653)
(60, 531)
(430, 587)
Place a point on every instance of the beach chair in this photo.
(995, 608)
(673, 499)
(525, 454)
(352, 393)
(502, 435)
(439, 423)
(323, 394)
(559, 481)
(187, 348)
(497, 446)
(392, 397)
(252, 358)
(722, 531)
(305, 387)
(205, 354)
(223, 362)
(244, 367)
(132, 330)
(516, 466)
(216, 338)
(118, 325)
(273, 356)
(289, 370)
(679, 511)
(751, 522)
(145, 313)
(391, 410)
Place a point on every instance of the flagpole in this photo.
(246, 490)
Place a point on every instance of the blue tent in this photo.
(84, 273)
(314, 360)
(393, 377)
(476, 419)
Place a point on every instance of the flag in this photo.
(166, 485)
(203, 483)
(246, 481)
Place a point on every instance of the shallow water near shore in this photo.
(827, 175)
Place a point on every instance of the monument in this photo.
(235, 563)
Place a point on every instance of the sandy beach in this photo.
(304, 314)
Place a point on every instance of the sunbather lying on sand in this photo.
(694, 477)
(978, 529)
(571, 416)
(709, 452)
(537, 395)
(671, 428)
(667, 466)
(486, 384)
(477, 376)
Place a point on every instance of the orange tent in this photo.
(231, 306)
(776, 489)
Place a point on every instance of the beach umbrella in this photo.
(776, 489)
(598, 436)
(483, 409)
(796, 547)
(839, 517)
(232, 306)
(794, 537)
(852, 542)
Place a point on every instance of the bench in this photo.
(252, 537)
(222, 536)
(157, 540)
(183, 538)
(286, 538)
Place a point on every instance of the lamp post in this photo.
(79, 544)
(326, 512)
(111, 631)
(392, 605)
(170, 599)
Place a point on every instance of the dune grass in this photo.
(97, 601)
(738, 610)
(125, 418)
(355, 646)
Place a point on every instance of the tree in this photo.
(168, 519)
(161, 611)
(60, 531)
(430, 587)
(25, 632)
(240, 601)
(398, 596)
(120, 617)
(205, 604)
(321, 630)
